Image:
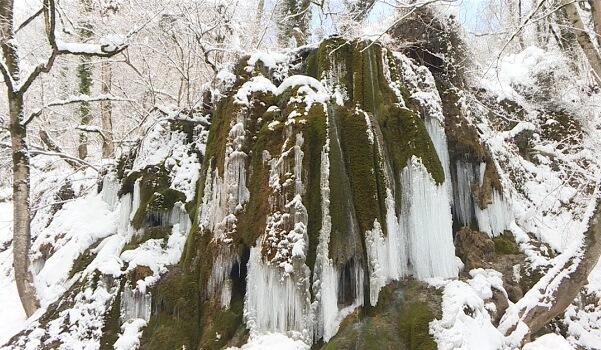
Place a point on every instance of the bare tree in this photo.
(17, 84)
(294, 21)
(586, 43)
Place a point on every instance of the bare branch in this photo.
(30, 19)
(61, 48)
(64, 156)
(73, 100)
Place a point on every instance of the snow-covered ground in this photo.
(13, 316)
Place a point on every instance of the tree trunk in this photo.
(84, 74)
(258, 21)
(515, 20)
(596, 16)
(561, 291)
(20, 158)
(108, 147)
(22, 210)
(584, 40)
(294, 21)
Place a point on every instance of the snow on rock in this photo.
(255, 84)
(275, 62)
(466, 323)
(130, 335)
(163, 145)
(310, 90)
(77, 226)
(549, 341)
(273, 341)
(157, 255)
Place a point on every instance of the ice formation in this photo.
(274, 303)
(135, 304)
(219, 285)
(428, 222)
(223, 197)
(439, 139)
(495, 218)
(328, 314)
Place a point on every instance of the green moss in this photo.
(505, 244)
(220, 325)
(127, 185)
(400, 320)
(253, 219)
(359, 156)
(82, 261)
(155, 195)
(315, 138)
(405, 136)
(345, 240)
(175, 320)
(161, 232)
(414, 326)
(218, 133)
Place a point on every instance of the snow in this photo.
(162, 145)
(466, 323)
(549, 341)
(273, 341)
(255, 84)
(108, 44)
(157, 255)
(130, 336)
(13, 316)
(78, 225)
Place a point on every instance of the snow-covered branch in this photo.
(64, 156)
(73, 100)
(108, 49)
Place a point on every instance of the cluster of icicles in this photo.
(136, 299)
(418, 242)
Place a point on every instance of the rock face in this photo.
(326, 176)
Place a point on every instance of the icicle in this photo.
(429, 223)
(125, 205)
(179, 218)
(135, 304)
(219, 286)
(463, 202)
(377, 256)
(110, 189)
(326, 277)
(439, 139)
(136, 199)
(387, 256)
(224, 197)
(274, 303)
(496, 217)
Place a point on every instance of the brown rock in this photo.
(474, 248)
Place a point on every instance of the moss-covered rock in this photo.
(505, 244)
(399, 321)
